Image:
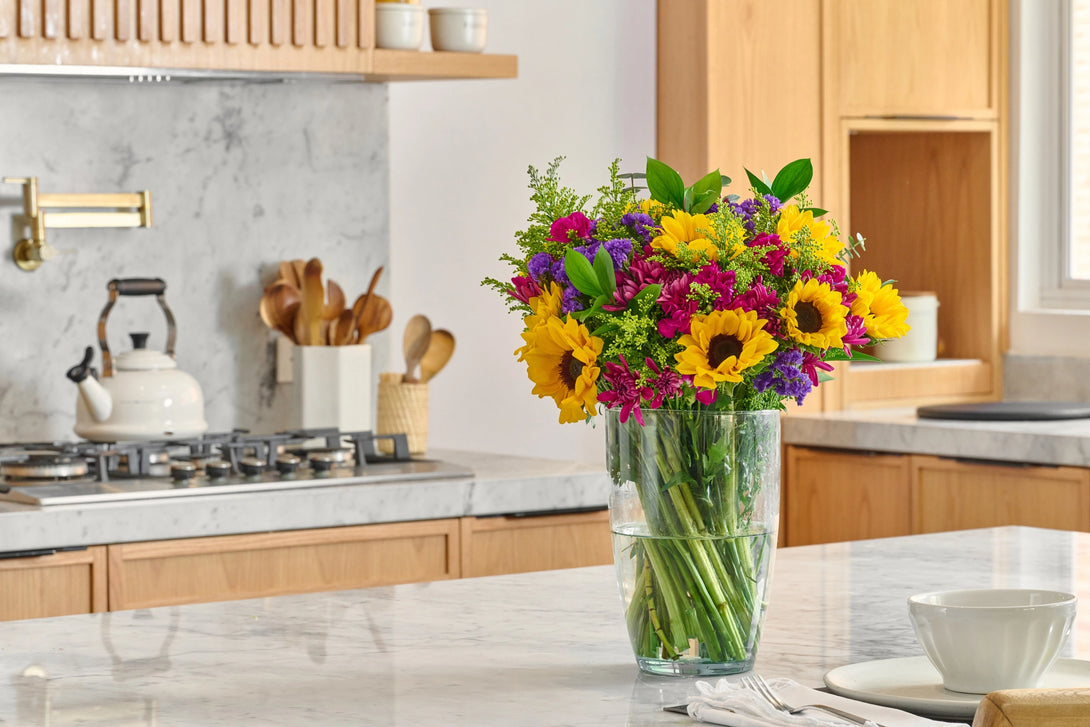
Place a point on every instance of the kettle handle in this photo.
(134, 286)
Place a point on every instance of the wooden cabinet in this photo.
(832, 496)
(498, 545)
(956, 495)
(168, 572)
(284, 36)
(918, 58)
(841, 495)
(60, 584)
(902, 106)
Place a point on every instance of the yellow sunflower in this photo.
(544, 306)
(682, 227)
(721, 345)
(792, 221)
(561, 359)
(880, 307)
(813, 315)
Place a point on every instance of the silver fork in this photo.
(757, 683)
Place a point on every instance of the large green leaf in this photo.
(758, 184)
(603, 271)
(703, 203)
(664, 183)
(581, 273)
(792, 179)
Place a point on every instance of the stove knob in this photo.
(322, 463)
(182, 471)
(251, 466)
(217, 469)
(286, 464)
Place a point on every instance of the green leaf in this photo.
(824, 376)
(687, 199)
(651, 291)
(607, 327)
(603, 271)
(758, 184)
(792, 179)
(664, 183)
(581, 273)
(860, 356)
(710, 182)
(818, 212)
(703, 203)
(837, 354)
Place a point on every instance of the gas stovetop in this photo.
(67, 473)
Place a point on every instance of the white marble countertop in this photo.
(1062, 442)
(530, 649)
(502, 484)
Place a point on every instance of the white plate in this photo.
(913, 684)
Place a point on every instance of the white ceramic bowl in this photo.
(988, 639)
(461, 30)
(399, 26)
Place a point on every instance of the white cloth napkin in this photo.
(729, 703)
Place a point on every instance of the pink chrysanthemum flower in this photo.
(857, 333)
(630, 282)
(666, 384)
(811, 363)
(524, 288)
(720, 282)
(775, 253)
(677, 306)
(576, 225)
(625, 390)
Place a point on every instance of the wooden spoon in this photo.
(312, 305)
(341, 330)
(360, 307)
(335, 303)
(415, 343)
(287, 273)
(440, 349)
(279, 305)
(379, 315)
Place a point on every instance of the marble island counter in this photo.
(501, 484)
(530, 649)
(1054, 443)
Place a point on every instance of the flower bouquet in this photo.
(692, 316)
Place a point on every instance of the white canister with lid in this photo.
(920, 344)
(459, 30)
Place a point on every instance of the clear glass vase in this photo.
(694, 511)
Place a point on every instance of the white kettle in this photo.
(148, 397)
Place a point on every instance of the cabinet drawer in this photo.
(53, 585)
(252, 566)
(498, 545)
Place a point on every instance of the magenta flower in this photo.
(630, 282)
(576, 225)
(774, 254)
(720, 282)
(857, 333)
(524, 289)
(664, 385)
(811, 362)
(760, 298)
(677, 306)
(625, 390)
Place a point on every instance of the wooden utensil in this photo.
(312, 305)
(416, 340)
(341, 330)
(279, 305)
(335, 301)
(286, 273)
(362, 304)
(379, 315)
(440, 349)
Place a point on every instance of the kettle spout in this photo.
(98, 400)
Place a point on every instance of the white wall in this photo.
(458, 158)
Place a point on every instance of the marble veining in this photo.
(1062, 442)
(531, 649)
(502, 484)
(242, 175)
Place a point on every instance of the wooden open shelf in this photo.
(923, 193)
(405, 65)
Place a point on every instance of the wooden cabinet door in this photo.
(957, 495)
(833, 495)
(915, 57)
(192, 570)
(53, 585)
(497, 545)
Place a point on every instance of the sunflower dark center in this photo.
(570, 370)
(809, 317)
(723, 347)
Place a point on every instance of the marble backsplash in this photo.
(242, 175)
(1045, 378)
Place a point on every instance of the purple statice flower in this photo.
(713, 209)
(625, 390)
(857, 333)
(576, 225)
(720, 281)
(570, 302)
(785, 376)
(639, 223)
(524, 288)
(773, 204)
(811, 362)
(558, 272)
(539, 265)
(589, 250)
(665, 384)
(677, 305)
(618, 250)
(641, 273)
(775, 253)
(747, 209)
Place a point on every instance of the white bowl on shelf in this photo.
(459, 30)
(399, 26)
(983, 640)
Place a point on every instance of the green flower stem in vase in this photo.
(694, 513)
